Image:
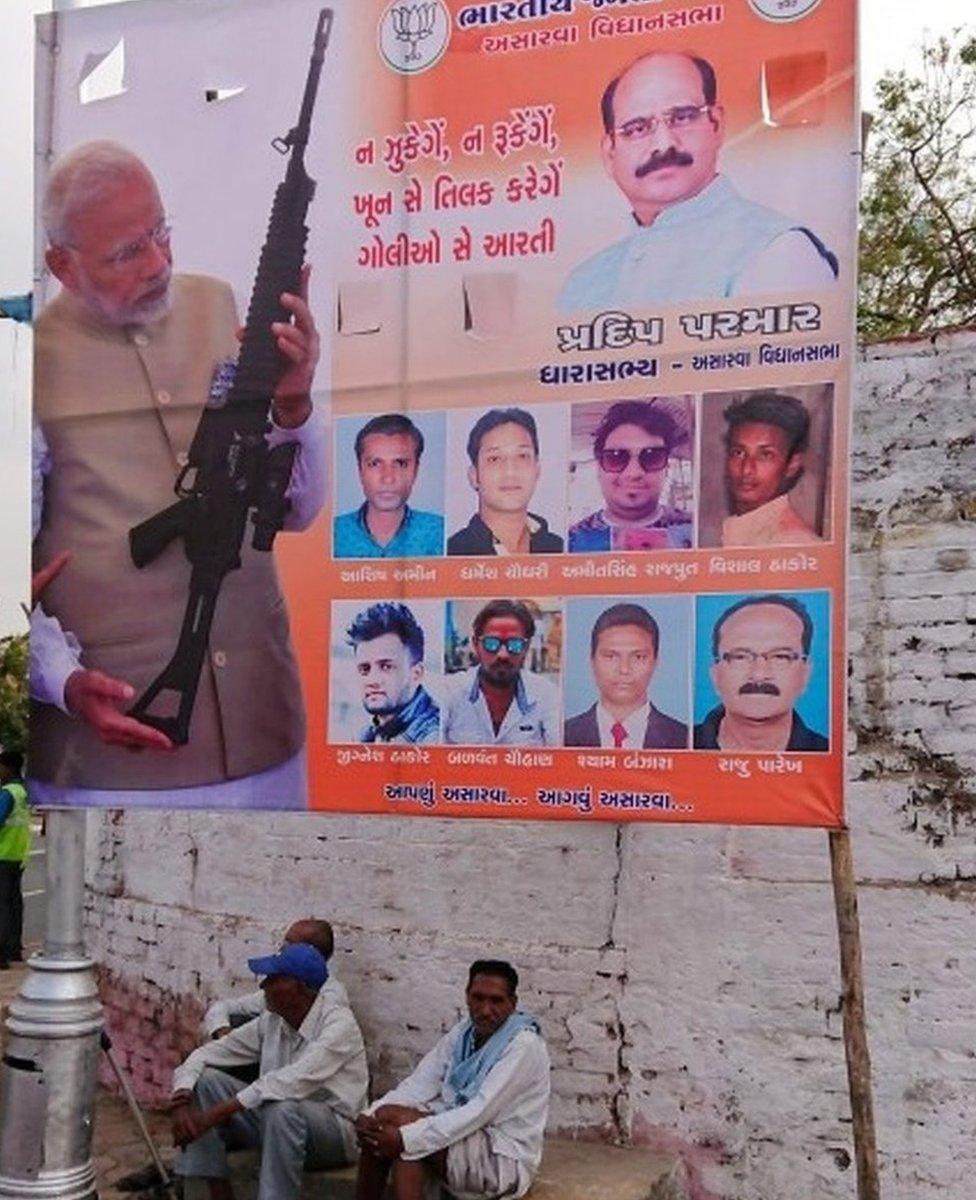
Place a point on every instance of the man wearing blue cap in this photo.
(300, 1110)
(472, 1115)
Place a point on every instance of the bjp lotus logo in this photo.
(413, 35)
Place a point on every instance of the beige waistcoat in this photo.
(118, 408)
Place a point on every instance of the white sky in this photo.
(891, 31)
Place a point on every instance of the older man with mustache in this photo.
(695, 235)
(761, 650)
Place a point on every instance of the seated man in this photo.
(473, 1113)
(224, 1015)
(300, 1110)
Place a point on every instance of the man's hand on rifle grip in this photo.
(298, 341)
(97, 699)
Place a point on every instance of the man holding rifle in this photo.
(125, 357)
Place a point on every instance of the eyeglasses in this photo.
(650, 458)
(514, 645)
(159, 236)
(776, 660)
(681, 117)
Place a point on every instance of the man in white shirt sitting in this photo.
(224, 1015)
(300, 1110)
(473, 1113)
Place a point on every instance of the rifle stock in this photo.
(233, 474)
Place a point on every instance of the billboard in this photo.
(567, 534)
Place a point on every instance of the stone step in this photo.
(570, 1171)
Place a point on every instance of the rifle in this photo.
(231, 474)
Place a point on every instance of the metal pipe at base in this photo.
(49, 1071)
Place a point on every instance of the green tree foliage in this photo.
(13, 692)
(918, 207)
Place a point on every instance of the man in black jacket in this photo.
(503, 447)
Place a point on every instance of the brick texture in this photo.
(687, 978)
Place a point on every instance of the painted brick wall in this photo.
(687, 978)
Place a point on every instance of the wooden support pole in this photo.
(855, 1025)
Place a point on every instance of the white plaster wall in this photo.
(687, 977)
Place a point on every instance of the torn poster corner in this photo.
(103, 75)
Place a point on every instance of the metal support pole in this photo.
(49, 1070)
(50, 1065)
(855, 1025)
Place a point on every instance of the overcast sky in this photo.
(891, 31)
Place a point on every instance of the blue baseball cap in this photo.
(297, 960)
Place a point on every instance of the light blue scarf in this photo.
(470, 1066)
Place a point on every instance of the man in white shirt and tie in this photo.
(624, 646)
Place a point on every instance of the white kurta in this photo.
(511, 1105)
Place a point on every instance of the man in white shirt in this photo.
(300, 1110)
(473, 1113)
(693, 236)
(498, 703)
(224, 1015)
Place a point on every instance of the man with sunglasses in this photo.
(695, 236)
(125, 358)
(497, 703)
(632, 447)
(761, 666)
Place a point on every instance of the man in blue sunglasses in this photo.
(497, 703)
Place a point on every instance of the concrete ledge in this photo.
(592, 1171)
(570, 1171)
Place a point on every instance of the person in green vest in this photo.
(15, 840)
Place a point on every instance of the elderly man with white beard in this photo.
(125, 358)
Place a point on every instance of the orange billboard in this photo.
(583, 276)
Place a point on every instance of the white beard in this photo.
(142, 312)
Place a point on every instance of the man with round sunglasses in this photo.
(694, 235)
(632, 447)
(497, 702)
(761, 667)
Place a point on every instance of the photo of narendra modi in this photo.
(163, 667)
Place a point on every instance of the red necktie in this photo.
(619, 734)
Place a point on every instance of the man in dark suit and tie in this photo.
(623, 655)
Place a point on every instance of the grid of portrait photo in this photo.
(725, 469)
(724, 671)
